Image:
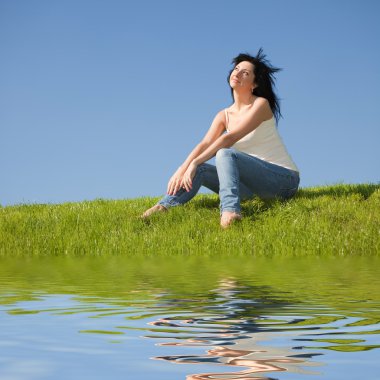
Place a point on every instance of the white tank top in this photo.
(265, 143)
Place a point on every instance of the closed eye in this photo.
(245, 72)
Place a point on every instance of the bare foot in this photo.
(228, 218)
(152, 210)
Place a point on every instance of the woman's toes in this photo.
(228, 218)
(152, 210)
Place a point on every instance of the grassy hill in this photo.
(326, 220)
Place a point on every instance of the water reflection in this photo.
(218, 320)
(236, 340)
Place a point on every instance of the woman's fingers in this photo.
(173, 186)
(176, 188)
(176, 184)
(168, 190)
(187, 183)
(184, 184)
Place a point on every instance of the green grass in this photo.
(327, 220)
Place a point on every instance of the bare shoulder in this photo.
(262, 102)
(263, 105)
(221, 113)
(220, 117)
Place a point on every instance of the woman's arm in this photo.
(216, 129)
(250, 122)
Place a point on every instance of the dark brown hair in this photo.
(264, 79)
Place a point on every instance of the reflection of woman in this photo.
(237, 342)
(256, 361)
(251, 158)
(245, 351)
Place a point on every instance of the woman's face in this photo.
(242, 76)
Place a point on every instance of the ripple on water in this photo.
(234, 328)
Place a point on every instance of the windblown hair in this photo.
(264, 79)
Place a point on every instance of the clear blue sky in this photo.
(106, 98)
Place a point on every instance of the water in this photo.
(189, 318)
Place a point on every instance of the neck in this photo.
(242, 100)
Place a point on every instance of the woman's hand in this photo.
(175, 182)
(189, 175)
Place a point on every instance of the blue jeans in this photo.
(238, 176)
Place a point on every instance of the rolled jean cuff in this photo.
(165, 204)
(237, 211)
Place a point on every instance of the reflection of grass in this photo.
(329, 220)
(339, 341)
(320, 320)
(22, 312)
(101, 332)
(328, 302)
(137, 286)
(347, 348)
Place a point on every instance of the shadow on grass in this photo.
(250, 207)
(255, 206)
(340, 190)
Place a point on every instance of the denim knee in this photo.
(201, 167)
(182, 196)
(224, 153)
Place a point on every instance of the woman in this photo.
(251, 158)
